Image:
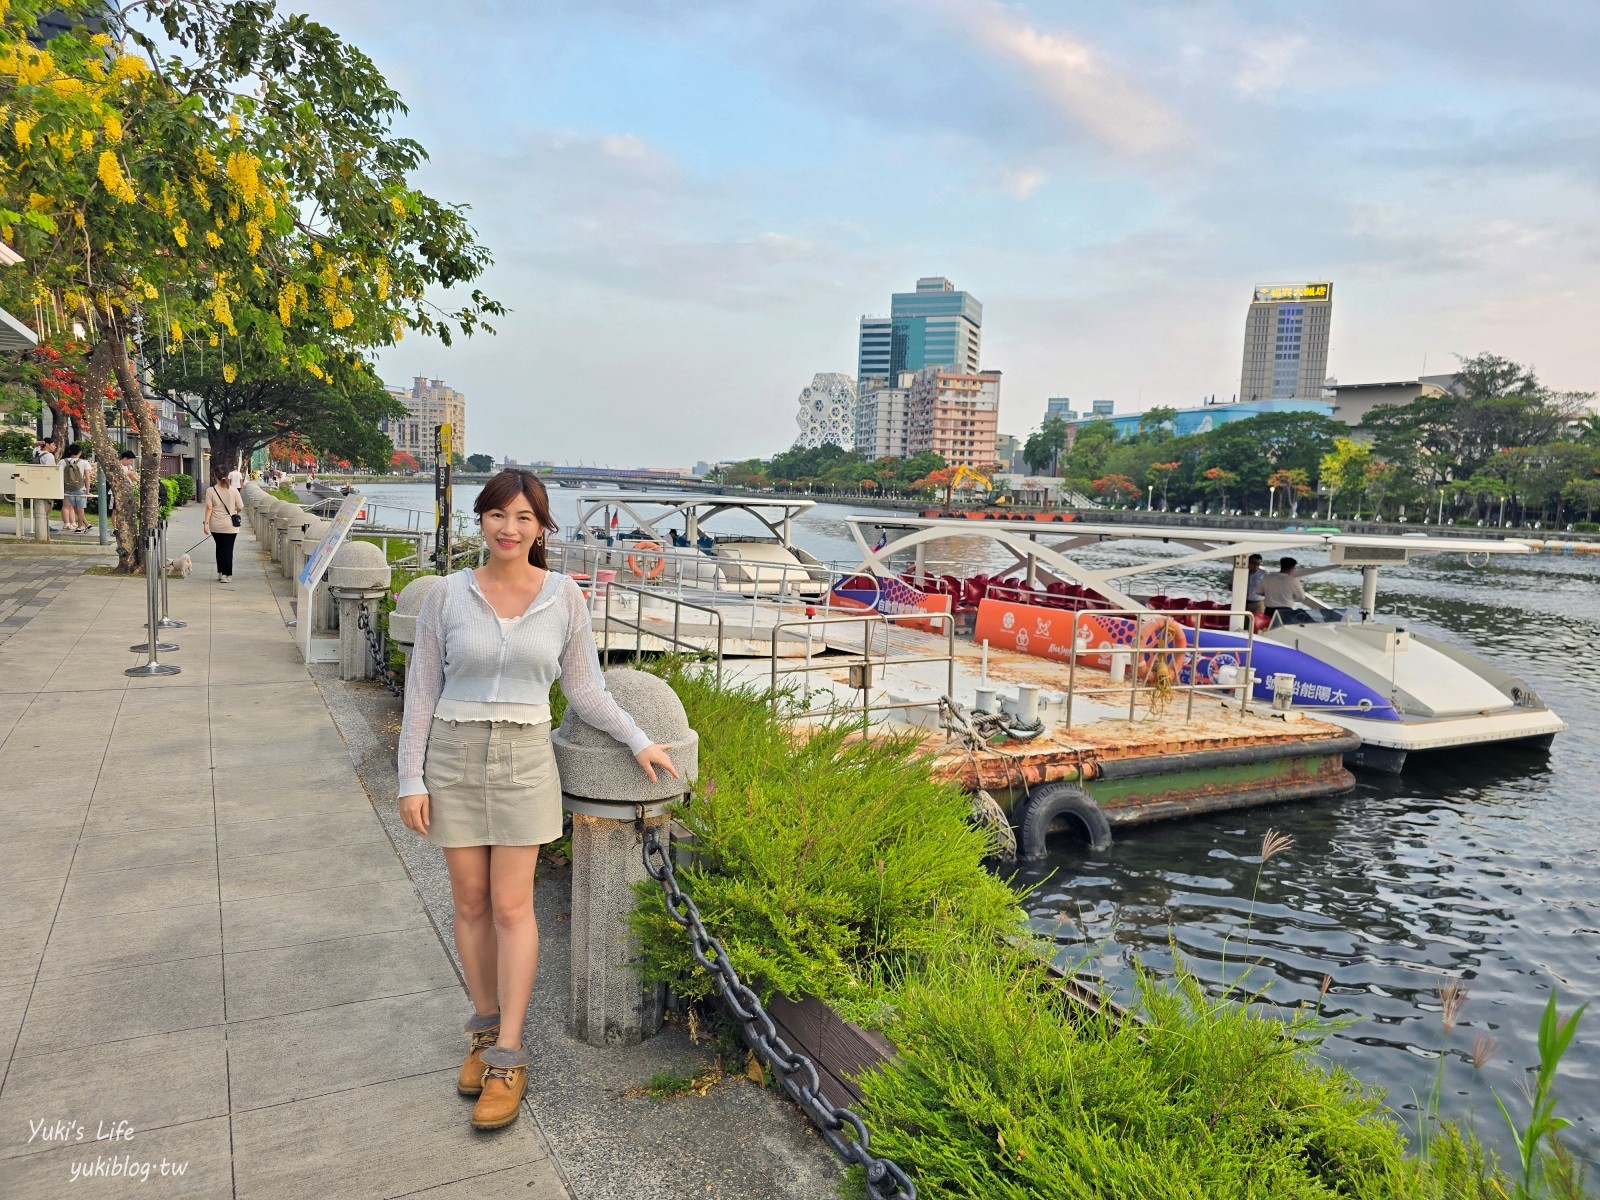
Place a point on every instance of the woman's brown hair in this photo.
(503, 487)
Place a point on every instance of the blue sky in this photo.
(691, 204)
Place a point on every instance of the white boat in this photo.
(727, 544)
(1399, 691)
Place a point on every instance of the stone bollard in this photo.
(612, 802)
(279, 536)
(403, 620)
(359, 574)
(312, 532)
(294, 518)
(298, 533)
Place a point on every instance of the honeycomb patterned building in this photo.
(827, 411)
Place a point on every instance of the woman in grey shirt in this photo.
(476, 773)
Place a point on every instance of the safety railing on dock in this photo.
(861, 667)
(1152, 664)
(675, 640)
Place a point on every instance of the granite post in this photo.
(612, 803)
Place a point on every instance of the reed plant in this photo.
(836, 867)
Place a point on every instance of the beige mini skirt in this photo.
(491, 784)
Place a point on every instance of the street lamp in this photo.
(1150, 498)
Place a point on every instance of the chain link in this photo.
(842, 1129)
(375, 647)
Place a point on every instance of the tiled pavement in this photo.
(204, 930)
(28, 585)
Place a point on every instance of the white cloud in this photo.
(1025, 182)
(1269, 63)
(1074, 78)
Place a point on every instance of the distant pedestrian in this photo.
(222, 520)
(476, 773)
(75, 474)
(47, 453)
(236, 479)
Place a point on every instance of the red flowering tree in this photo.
(1115, 487)
(405, 461)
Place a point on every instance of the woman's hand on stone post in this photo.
(654, 756)
(414, 813)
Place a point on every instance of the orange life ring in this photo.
(1158, 637)
(651, 571)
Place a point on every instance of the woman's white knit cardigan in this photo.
(463, 653)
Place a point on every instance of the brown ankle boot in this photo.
(484, 1031)
(505, 1082)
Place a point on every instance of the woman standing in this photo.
(222, 520)
(476, 773)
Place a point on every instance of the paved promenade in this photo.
(209, 951)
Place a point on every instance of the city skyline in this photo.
(690, 213)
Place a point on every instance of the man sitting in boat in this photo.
(1281, 593)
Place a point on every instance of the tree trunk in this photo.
(130, 547)
(149, 429)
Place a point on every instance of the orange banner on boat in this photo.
(1051, 632)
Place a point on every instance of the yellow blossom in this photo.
(380, 277)
(233, 210)
(110, 173)
(207, 161)
(252, 232)
(38, 202)
(129, 67)
(113, 127)
(176, 331)
(213, 340)
(23, 131)
(315, 370)
(212, 239)
(86, 138)
(233, 125)
(180, 233)
(398, 205)
(343, 318)
(229, 373)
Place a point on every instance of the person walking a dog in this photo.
(477, 777)
(222, 520)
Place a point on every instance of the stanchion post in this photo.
(166, 622)
(104, 503)
(153, 616)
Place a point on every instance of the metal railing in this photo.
(1148, 651)
(675, 640)
(861, 667)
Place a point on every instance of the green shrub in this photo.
(837, 868)
(16, 444)
(185, 488)
(169, 496)
(1586, 527)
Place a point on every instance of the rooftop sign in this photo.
(1267, 293)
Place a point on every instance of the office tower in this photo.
(955, 414)
(827, 411)
(872, 354)
(1060, 406)
(1101, 408)
(1286, 342)
(934, 326)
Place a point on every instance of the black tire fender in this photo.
(1061, 801)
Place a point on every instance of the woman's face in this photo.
(510, 531)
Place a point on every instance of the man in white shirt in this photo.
(1282, 592)
(236, 478)
(1253, 601)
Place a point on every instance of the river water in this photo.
(1481, 865)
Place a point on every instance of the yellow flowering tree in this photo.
(230, 195)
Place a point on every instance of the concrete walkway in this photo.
(207, 942)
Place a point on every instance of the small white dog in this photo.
(180, 567)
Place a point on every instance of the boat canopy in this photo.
(1042, 547)
(651, 512)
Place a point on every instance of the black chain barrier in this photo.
(375, 647)
(797, 1073)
